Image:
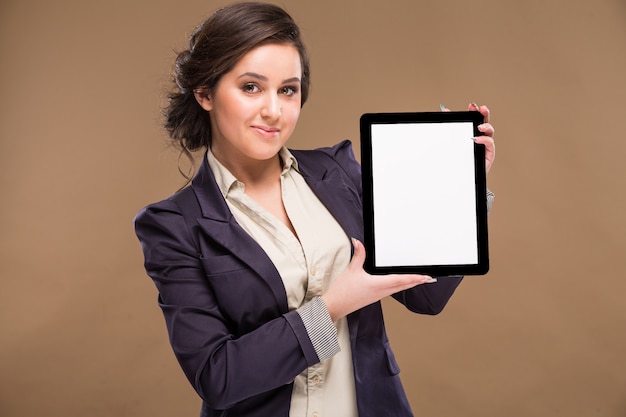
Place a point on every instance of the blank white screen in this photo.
(424, 194)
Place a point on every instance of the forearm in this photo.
(226, 349)
(227, 373)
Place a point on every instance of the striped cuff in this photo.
(490, 197)
(320, 328)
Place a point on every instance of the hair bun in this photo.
(180, 71)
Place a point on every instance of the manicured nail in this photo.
(442, 106)
(475, 105)
(431, 280)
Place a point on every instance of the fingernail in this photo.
(431, 280)
(474, 139)
(475, 105)
(442, 106)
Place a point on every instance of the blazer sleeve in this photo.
(429, 298)
(224, 369)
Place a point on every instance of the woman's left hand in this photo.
(487, 130)
(487, 139)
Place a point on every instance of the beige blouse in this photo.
(307, 264)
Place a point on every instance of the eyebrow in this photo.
(264, 78)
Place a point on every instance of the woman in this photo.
(268, 311)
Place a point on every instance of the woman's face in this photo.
(255, 107)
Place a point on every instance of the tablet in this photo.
(424, 193)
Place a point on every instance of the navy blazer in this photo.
(225, 305)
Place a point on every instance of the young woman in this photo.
(258, 263)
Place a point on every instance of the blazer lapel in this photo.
(327, 182)
(219, 224)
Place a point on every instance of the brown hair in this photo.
(215, 47)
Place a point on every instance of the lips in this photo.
(266, 132)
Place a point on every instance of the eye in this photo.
(250, 88)
(288, 90)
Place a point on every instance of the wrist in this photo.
(333, 311)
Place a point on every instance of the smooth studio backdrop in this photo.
(81, 151)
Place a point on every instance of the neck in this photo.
(253, 173)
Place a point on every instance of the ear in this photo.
(203, 98)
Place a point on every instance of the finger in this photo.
(484, 110)
(358, 258)
(485, 140)
(425, 279)
(443, 107)
(402, 282)
(490, 150)
(490, 146)
(486, 129)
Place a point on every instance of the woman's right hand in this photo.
(355, 288)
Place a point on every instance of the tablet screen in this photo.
(424, 193)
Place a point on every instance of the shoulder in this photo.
(341, 152)
(337, 158)
(165, 216)
(169, 205)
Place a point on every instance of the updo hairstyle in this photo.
(215, 47)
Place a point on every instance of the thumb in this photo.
(358, 258)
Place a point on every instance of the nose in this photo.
(271, 108)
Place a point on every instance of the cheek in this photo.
(291, 114)
(239, 110)
(232, 108)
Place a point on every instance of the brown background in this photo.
(81, 151)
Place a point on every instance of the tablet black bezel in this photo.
(369, 119)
